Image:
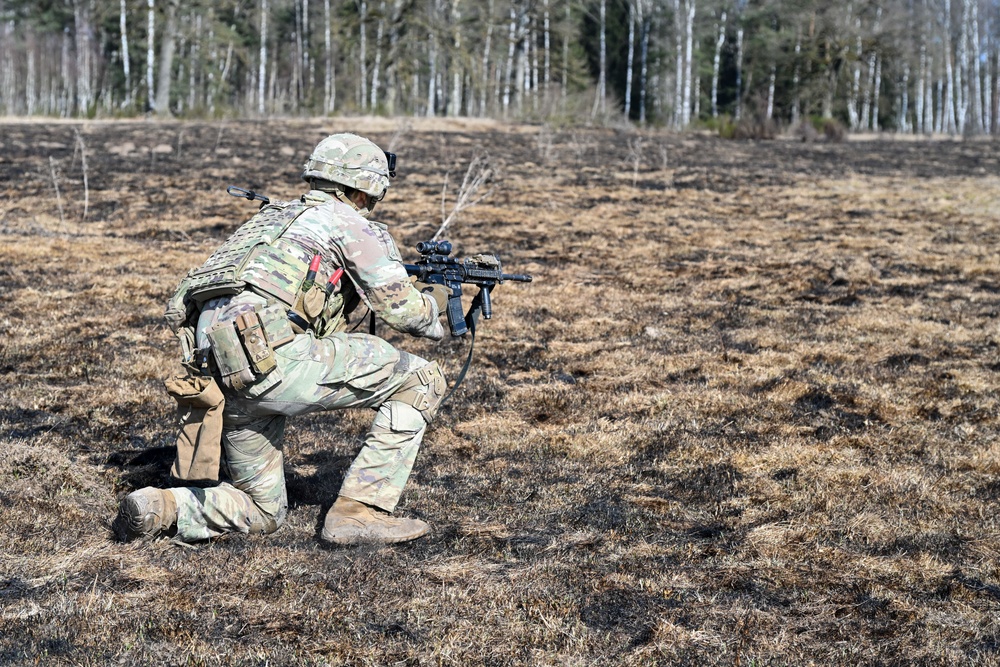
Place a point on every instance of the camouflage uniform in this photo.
(329, 371)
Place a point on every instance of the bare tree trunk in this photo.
(565, 57)
(929, 119)
(166, 66)
(853, 117)
(328, 89)
(150, 34)
(30, 93)
(262, 68)
(379, 32)
(125, 62)
(510, 61)
(486, 60)
(308, 67)
(547, 71)
(82, 34)
(600, 104)
(962, 71)
(739, 72)
(720, 41)
(978, 105)
(796, 93)
(678, 66)
(455, 103)
(949, 97)
(392, 71)
(630, 60)
(432, 81)
(643, 62)
(532, 43)
(688, 61)
(904, 107)
(919, 125)
(876, 90)
(363, 64)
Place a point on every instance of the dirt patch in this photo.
(746, 413)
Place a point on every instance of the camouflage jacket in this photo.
(324, 225)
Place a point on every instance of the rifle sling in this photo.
(470, 321)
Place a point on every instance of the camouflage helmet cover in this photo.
(352, 161)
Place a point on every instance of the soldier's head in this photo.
(351, 168)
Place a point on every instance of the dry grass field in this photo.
(747, 413)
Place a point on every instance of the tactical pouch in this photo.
(230, 358)
(331, 320)
(258, 349)
(199, 439)
(277, 328)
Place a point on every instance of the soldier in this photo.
(266, 317)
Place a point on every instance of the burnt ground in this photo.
(746, 414)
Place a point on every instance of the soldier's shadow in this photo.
(320, 487)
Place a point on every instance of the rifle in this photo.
(483, 270)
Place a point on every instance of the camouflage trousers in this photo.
(330, 373)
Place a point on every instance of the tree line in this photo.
(917, 66)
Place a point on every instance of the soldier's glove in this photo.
(439, 293)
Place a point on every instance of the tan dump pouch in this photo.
(199, 440)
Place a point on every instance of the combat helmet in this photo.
(352, 161)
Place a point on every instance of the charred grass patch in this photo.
(746, 414)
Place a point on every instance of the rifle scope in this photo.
(434, 247)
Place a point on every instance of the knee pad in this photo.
(424, 390)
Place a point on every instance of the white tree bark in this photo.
(379, 34)
(918, 106)
(150, 34)
(329, 92)
(432, 80)
(643, 61)
(904, 106)
(853, 117)
(510, 60)
(455, 101)
(262, 59)
(30, 92)
(948, 119)
(678, 102)
(125, 61)
(688, 61)
(363, 64)
(770, 91)
(547, 70)
(600, 104)
(630, 60)
(739, 73)
(978, 103)
(565, 57)
(485, 79)
(876, 90)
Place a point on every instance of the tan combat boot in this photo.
(145, 513)
(351, 522)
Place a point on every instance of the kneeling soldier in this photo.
(266, 318)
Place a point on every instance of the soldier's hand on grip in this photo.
(439, 293)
